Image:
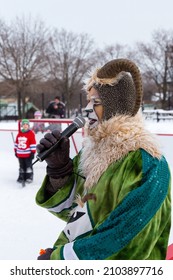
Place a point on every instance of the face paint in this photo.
(94, 110)
(92, 117)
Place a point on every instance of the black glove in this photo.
(32, 156)
(58, 162)
(46, 255)
(16, 154)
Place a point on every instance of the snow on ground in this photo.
(26, 227)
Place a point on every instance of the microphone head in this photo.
(79, 121)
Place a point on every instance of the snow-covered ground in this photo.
(25, 227)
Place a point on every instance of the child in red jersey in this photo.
(25, 148)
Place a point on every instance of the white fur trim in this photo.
(111, 141)
(104, 81)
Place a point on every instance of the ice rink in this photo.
(25, 227)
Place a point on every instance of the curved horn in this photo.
(113, 67)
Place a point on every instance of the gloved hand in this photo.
(32, 156)
(45, 255)
(16, 154)
(58, 162)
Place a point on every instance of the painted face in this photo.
(94, 109)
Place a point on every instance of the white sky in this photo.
(108, 22)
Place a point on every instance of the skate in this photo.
(29, 176)
(21, 178)
(29, 180)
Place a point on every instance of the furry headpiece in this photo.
(119, 85)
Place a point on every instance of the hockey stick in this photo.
(12, 135)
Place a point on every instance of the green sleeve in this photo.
(129, 219)
(63, 200)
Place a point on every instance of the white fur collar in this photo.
(111, 141)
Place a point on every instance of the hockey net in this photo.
(43, 126)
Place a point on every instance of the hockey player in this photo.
(25, 148)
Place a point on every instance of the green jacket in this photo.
(127, 213)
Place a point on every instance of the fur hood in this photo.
(111, 141)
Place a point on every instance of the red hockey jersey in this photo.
(25, 144)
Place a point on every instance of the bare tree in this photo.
(154, 62)
(112, 52)
(22, 60)
(69, 60)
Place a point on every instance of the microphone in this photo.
(78, 122)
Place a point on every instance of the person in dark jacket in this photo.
(56, 109)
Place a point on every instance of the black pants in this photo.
(25, 168)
